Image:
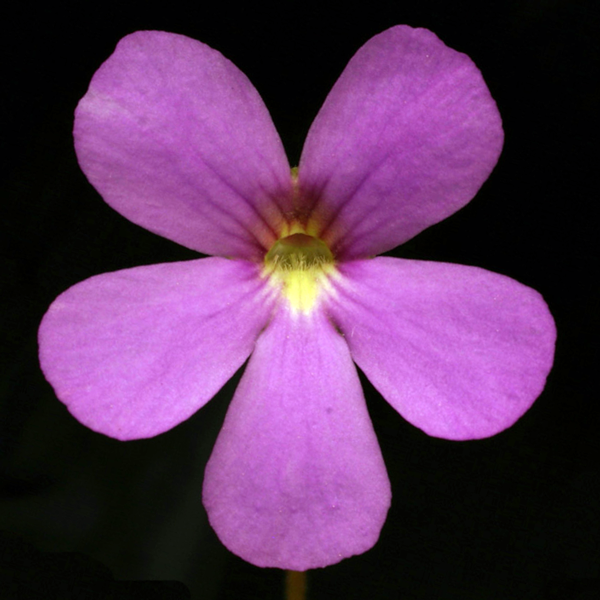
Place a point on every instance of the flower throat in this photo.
(300, 264)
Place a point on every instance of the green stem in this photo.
(295, 585)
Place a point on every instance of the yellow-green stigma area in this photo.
(300, 264)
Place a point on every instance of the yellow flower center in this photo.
(300, 264)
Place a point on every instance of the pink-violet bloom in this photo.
(175, 138)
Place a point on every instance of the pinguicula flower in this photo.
(176, 139)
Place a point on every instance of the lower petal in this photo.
(458, 351)
(136, 352)
(296, 479)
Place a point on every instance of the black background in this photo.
(511, 517)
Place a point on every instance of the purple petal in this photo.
(406, 137)
(136, 352)
(458, 351)
(176, 139)
(296, 479)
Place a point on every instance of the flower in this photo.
(176, 139)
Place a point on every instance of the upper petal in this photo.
(406, 137)
(135, 352)
(176, 139)
(458, 351)
(296, 479)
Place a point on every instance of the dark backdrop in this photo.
(511, 517)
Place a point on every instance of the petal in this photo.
(136, 352)
(406, 137)
(296, 479)
(458, 351)
(175, 138)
